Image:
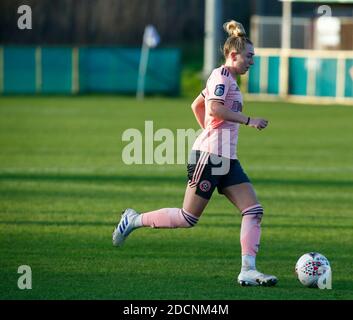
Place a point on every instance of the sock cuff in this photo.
(190, 218)
(253, 210)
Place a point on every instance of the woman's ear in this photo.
(233, 55)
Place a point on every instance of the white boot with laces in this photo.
(256, 278)
(249, 276)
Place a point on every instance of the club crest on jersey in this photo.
(237, 106)
(219, 91)
(205, 186)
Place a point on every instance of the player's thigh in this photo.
(193, 203)
(241, 195)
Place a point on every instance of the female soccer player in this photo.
(213, 161)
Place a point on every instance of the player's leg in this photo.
(194, 203)
(243, 196)
(198, 192)
(186, 217)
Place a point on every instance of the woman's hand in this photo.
(258, 123)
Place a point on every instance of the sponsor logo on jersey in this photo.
(237, 106)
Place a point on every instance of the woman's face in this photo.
(241, 62)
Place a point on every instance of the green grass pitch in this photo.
(63, 185)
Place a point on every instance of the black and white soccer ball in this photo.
(310, 267)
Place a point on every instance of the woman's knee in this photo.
(193, 203)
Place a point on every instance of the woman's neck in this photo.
(231, 70)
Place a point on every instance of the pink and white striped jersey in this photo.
(220, 137)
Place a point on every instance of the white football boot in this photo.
(255, 278)
(125, 226)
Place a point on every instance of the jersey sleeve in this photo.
(218, 85)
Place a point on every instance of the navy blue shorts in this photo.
(207, 171)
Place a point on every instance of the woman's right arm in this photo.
(198, 108)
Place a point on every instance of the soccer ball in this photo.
(310, 267)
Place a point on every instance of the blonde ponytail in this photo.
(237, 39)
(234, 29)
